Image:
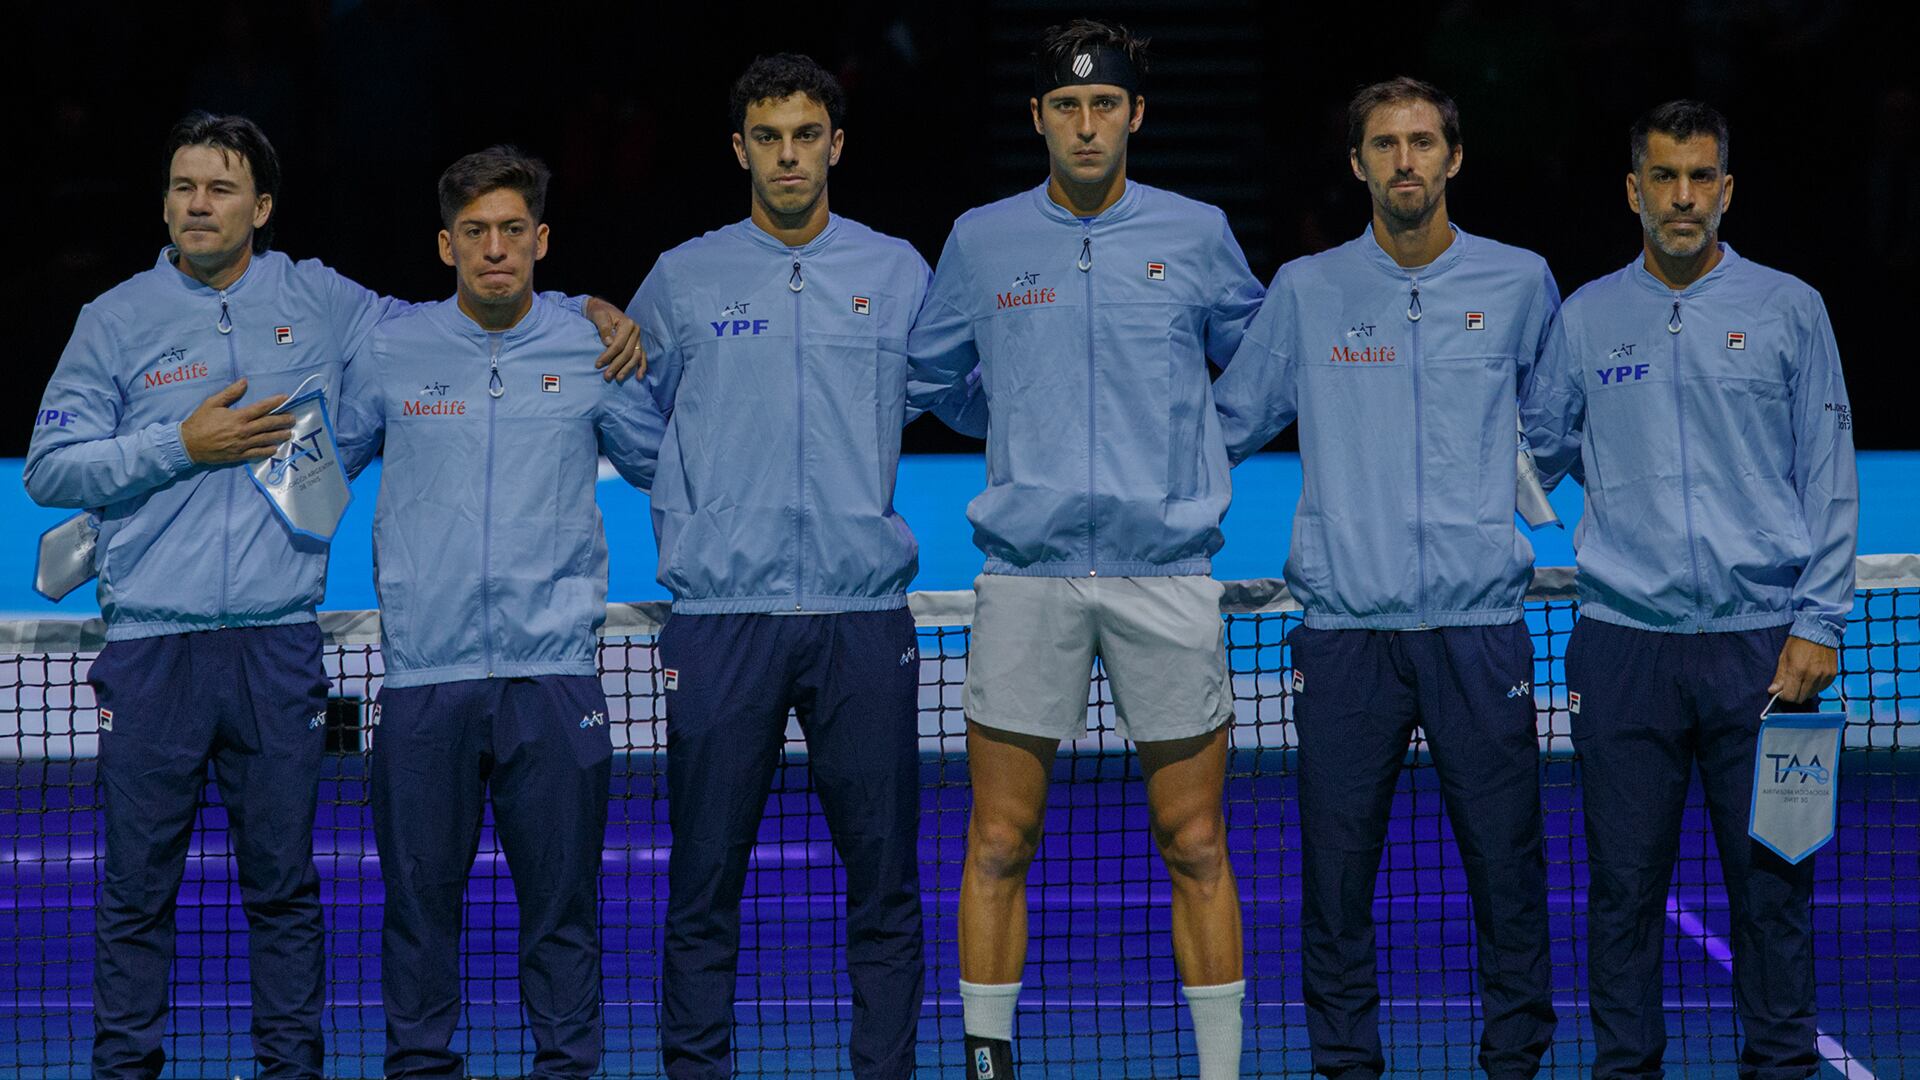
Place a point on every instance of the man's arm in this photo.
(1257, 396)
(652, 313)
(1236, 298)
(630, 428)
(1553, 407)
(942, 356)
(1829, 492)
(77, 458)
(360, 416)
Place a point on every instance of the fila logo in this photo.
(983, 1057)
(549, 384)
(1525, 688)
(1156, 271)
(672, 677)
(1573, 702)
(1736, 340)
(862, 306)
(283, 335)
(1082, 67)
(1476, 320)
(106, 719)
(1299, 682)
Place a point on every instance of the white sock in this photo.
(1215, 1011)
(986, 1009)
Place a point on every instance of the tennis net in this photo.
(1101, 998)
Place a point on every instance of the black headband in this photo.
(1092, 65)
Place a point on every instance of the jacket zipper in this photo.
(495, 387)
(1085, 264)
(224, 324)
(1419, 462)
(1674, 325)
(796, 283)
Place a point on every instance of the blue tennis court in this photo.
(1101, 997)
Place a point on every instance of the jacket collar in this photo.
(1370, 248)
(754, 234)
(1637, 270)
(166, 266)
(1125, 207)
(462, 324)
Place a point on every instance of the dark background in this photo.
(367, 101)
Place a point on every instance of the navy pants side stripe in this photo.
(1362, 694)
(1652, 706)
(246, 700)
(540, 747)
(852, 680)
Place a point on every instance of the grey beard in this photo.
(1709, 233)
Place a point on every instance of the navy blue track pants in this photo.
(253, 703)
(1651, 707)
(541, 749)
(1358, 697)
(852, 679)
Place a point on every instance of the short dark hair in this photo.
(1057, 43)
(1393, 92)
(782, 75)
(229, 135)
(492, 169)
(1680, 120)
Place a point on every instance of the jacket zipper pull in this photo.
(1086, 252)
(225, 323)
(1673, 321)
(1413, 304)
(794, 280)
(496, 386)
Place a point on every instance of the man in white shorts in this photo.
(1090, 306)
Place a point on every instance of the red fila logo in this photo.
(549, 384)
(672, 677)
(1299, 682)
(862, 306)
(1573, 701)
(106, 719)
(283, 335)
(1156, 271)
(1476, 320)
(1736, 340)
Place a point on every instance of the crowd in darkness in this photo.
(367, 101)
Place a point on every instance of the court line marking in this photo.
(1830, 1048)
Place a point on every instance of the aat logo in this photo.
(1026, 291)
(304, 450)
(1789, 766)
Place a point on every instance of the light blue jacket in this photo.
(1711, 430)
(782, 372)
(1091, 340)
(185, 547)
(488, 550)
(1405, 383)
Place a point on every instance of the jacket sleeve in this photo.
(78, 457)
(1825, 480)
(1553, 407)
(1257, 395)
(941, 353)
(357, 310)
(1541, 308)
(630, 429)
(652, 309)
(360, 419)
(1236, 298)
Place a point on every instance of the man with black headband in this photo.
(1410, 567)
(1091, 306)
